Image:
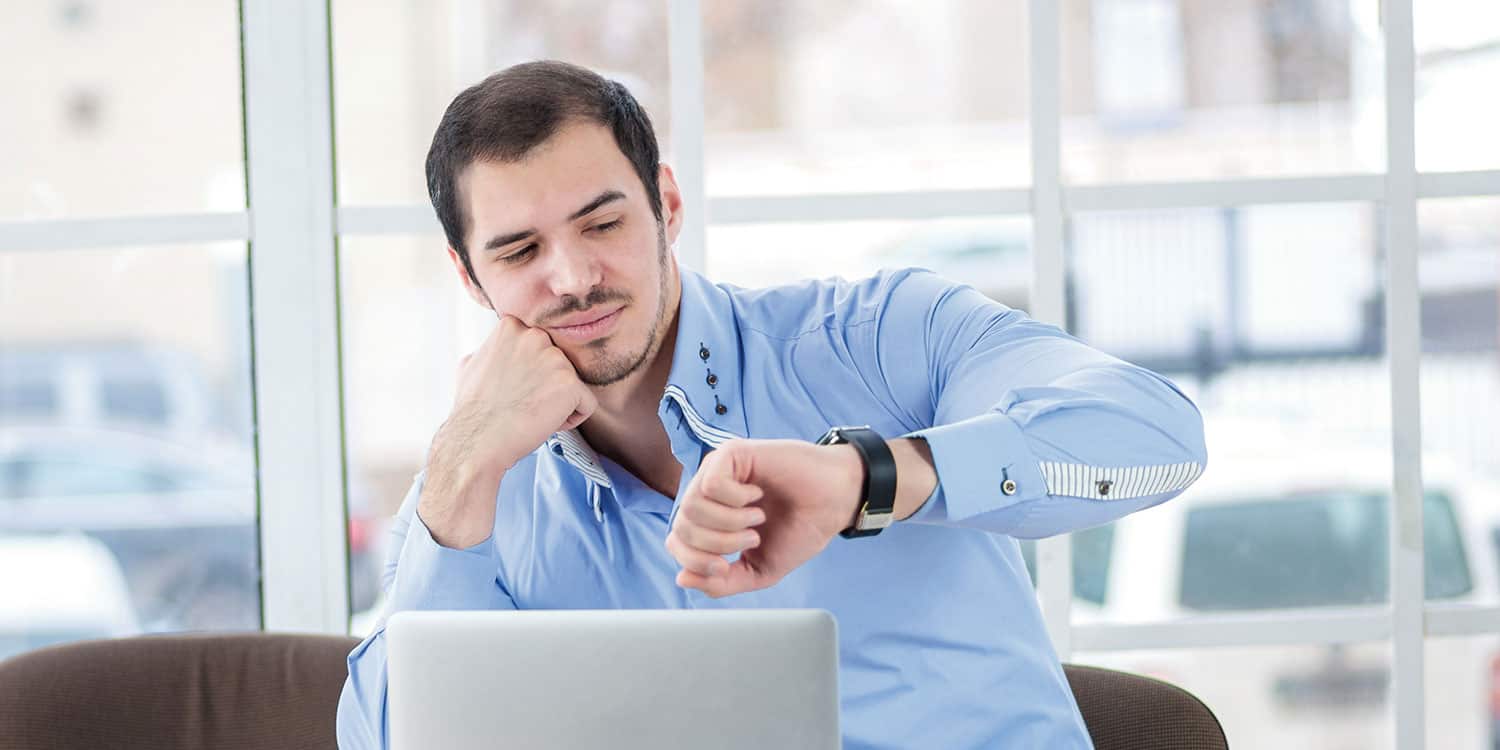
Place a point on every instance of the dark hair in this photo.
(505, 116)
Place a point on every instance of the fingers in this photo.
(700, 539)
(736, 579)
(696, 560)
(720, 517)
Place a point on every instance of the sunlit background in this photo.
(128, 498)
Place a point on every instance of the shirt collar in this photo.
(704, 382)
(705, 378)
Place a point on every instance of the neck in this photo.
(625, 426)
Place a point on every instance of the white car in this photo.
(58, 588)
(1302, 527)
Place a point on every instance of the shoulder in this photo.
(793, 310)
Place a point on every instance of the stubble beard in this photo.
(605, 368)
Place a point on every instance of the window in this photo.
(1226, 207)
(940, 101)
(1091, 562)
(1157, 90)
(120, 109)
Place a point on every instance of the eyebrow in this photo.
(606, 197)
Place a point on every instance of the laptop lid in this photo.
(628, 679)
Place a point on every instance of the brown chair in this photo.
(1129, 712)
(246, 690)
(263, 690)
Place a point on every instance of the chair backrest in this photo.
(1129, 712)
(264, 690)
(247, 690)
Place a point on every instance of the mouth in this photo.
(589, 330)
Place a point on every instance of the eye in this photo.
(607, 226)
(519, 255)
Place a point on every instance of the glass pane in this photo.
(397, 65)
(1300, 696)
(1091, 552)
(992, 255)
(1458, 56)
(1463, 692)
(1269, 318)
(1191, 89)
(1460, 283)
(827, 97)
(127, 474)
(398, 294)
(1309, 550)
(120, 108)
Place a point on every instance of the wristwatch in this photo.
(877, 493)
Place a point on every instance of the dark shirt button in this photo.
(703, 353)
(722, 409)
(1104, 485)
(713, 379)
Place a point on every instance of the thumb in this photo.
(739, 455)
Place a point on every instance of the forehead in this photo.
(557, 177)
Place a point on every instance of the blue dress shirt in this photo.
(942, 644)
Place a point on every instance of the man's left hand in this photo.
(776, 502)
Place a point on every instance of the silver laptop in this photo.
(626, 679)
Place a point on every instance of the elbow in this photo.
(1181, 421)
(1193, 438)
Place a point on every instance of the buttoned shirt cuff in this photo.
(934, 508)
(431, 576)
(975, 459)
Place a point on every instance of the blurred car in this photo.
(59, 588)
(157, 388)
(181, 519)
(1266, 532)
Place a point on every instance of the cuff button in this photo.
(1008, 487)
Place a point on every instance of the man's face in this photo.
(565, 241)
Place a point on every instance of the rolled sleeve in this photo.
(1032, 431)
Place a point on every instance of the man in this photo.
(628, 427)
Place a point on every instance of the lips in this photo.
(588, 326)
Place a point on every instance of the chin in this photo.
(600, 363)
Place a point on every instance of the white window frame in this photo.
(292, 226)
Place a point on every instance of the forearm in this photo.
(457, 502)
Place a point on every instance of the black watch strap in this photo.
(877, 493)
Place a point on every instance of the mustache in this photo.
(594, 298)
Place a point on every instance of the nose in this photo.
(574, 271)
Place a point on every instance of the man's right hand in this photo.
(513, 392)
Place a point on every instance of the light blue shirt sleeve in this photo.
(1033, 433)
(419, 574)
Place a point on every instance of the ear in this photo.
(474, 290)
(671, 202)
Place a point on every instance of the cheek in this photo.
(516, 297)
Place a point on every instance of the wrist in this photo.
(851, 469)
(457, 503)
(916, 478)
